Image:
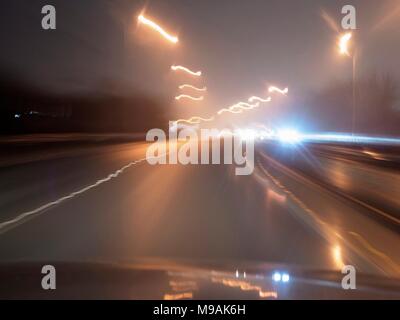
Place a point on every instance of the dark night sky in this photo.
(241, 46)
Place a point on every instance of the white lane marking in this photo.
(6, 225)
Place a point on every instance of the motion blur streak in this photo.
(188, 86)
(337, 257)
(183, 286)
(254, 98)
(268, 294)
(339, 137)
(276, 196)
(390, 16)
(276, 89)
(185, 96)
(179, 296)
(381, 255)
(157, 28)
(181, 68)
(194, 120)
(292, 136)
(4, 226)
(331, 22)
(344, 43)
(246, 286)
(329, 232)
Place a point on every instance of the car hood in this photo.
(175, 281)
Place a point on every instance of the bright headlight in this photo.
(289, 136)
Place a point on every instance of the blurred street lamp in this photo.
(344, 43)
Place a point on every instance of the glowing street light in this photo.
(344, 43)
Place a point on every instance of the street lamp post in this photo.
(354, 93)
(344, 50)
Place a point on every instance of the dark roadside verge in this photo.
(22, 149)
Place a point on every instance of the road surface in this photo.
(53, 210)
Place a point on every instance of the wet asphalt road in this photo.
(319, 218)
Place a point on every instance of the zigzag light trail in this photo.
(239, 108)
(142, 19)
(188, 86)
(184, 69)
(254, 98)
(185, 96)
(276, 89)
(194, 120)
